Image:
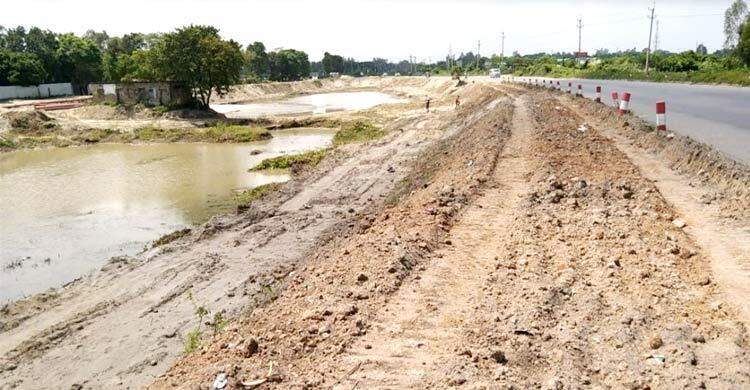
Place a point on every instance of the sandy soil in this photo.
(503, 245)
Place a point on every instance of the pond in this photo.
(66, 211)
(307, 104)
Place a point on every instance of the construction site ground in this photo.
(528, 239)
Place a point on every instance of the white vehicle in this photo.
(397, 74)
(495, 73)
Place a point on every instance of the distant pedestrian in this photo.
(427, 104)
(458, 102)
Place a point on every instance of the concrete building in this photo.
(147, 93)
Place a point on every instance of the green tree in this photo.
(116, 61)
(701, 49)
(198, 57)
(333, 63)
(256, 62)
(14, 39)
(100, 38)
(288, 65)
(44, 45)
(20, 69)
(743, 46)
(79, 60)
(733, 18)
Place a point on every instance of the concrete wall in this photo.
(151, 94)
(35, 92)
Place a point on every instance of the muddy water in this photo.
(65, 212)
(308, 104)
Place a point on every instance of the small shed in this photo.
(147, 93)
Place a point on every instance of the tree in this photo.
(44, 45)
(20, 69)
(701, 49)
(743, 46)
(14, 39)
(79, 60)
(199, 58)
(256, 61)
(100, 38)
(733, 18)
(116, 60)
(288, 65)
(333, 63)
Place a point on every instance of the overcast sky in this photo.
(393, 29)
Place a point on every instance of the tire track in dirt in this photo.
(421, 326)
(727, 243)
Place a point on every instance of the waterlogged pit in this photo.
(308, 104)
(65, 212)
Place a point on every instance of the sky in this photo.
(395, 29)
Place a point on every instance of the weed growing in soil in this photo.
(167, 238)
(311, 158)
(6, 143)
(246, 197)
(193, 339)
(357, 131)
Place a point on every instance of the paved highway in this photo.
(716, 115)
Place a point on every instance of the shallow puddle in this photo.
(308, 104)
(66, 211)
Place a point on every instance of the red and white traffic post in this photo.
(580, 91)
(570, 87)
(625, 103)
(558, 86)
(615, 99)
(598, 94)
(661, 116)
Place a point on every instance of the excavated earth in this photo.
(528, 240)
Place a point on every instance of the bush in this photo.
(248, 196)
(233, 133)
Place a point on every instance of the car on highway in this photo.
(495, 73)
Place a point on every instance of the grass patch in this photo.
(223, 132)
(153, 134)
(357, 131)
(6, 143)
(248, 196)
(94, 136)
(167, 238)
(311, 158)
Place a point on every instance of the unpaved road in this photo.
(501, 245)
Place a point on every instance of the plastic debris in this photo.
(659, 358)
(583, 128)
(221, 381)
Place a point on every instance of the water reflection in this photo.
(66, 211)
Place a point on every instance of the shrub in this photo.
(357, 131)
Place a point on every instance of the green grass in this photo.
(153, 134)
(248, 196)
(167, 238)
(734, 77)
(357, 131)
(6, 143)
(311, 158)
(232, 133)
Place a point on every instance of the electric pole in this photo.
(580, 27)
(502, 48)
(650, 31)
(479, 56)
(656, 37)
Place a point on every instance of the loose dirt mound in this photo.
(106, 112)
(30, 122)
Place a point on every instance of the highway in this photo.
(712, 114)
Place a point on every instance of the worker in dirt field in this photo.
(458, 102)
(427, 104)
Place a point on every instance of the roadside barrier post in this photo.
(570, 87)
(625, 103)
(615, 99)
(580, 91)
(558, 85)
(661, 116)
(598, 94)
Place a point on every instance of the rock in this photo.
(251, 348)
(679, 223)
(456, 381)
(391, 170)
(76, 386)
(698, 338)
(655, 342)
(705, 281)
(499, 357)
(362, 278)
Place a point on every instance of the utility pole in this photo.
(450, 56)
(502, 48)
(479, 56)
(580, 27)
(656, 37)
(650, 31)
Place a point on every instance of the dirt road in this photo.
(528, 240)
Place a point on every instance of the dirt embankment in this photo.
(557, 265)
(127, 324)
